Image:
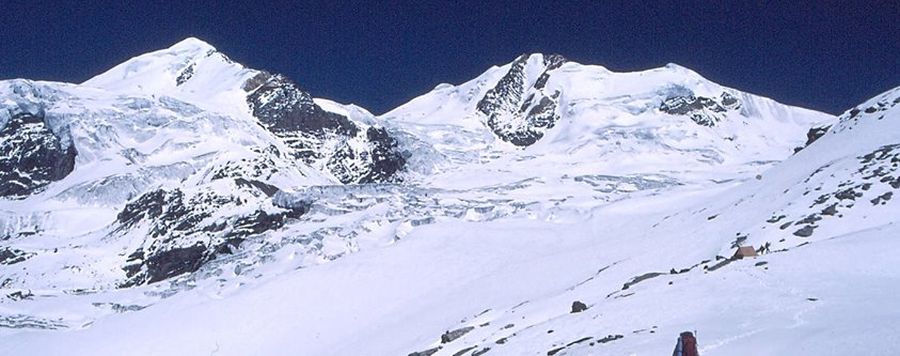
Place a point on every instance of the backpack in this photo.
(686, 346)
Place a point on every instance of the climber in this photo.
(686, 346)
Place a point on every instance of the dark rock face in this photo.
(702, 110)
(10, 256)
(181, 235)
(812, 135)
(386, 157)
(268, 189)
(317, 135)
(186, 74)
(31, 156)
(519, 114)
(174, 262)
(815, 133)
(282, 107)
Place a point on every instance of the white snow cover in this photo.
(610, 124)
(211, 79)
(630, 210)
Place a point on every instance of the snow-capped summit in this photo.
(544, 207)
(339, 141)
(192, 44)
(190, 70)
(199, 140)
(560, 115)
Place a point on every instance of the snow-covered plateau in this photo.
(183, 204)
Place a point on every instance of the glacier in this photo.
(216, 209)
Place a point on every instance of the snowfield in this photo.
(215, 210)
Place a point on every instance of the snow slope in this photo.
(633, 196)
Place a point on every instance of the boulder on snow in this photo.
(806, 231)
(449, 336)
(578, 307)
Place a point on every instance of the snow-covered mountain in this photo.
(581, 120)
(340, 140)
(175, 155)
(545, 207)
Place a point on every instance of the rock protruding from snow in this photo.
(348, 150)
(31, 155)
(11, 256)
(702, 110)
(331, 139)
(519, 108)
(814, 134)
(186, 228)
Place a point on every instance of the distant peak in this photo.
(548, 61)
(679, 68)
(548, 58)
(192, 43)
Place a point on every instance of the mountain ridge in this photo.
(206, 198)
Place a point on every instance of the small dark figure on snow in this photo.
(687, 345)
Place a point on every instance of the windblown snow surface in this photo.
(187, 228)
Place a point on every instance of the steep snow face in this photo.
(842, 182)
(352, 148)
(191, 70)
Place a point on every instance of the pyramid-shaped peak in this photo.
(192, 43)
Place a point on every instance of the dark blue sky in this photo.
(379, 55)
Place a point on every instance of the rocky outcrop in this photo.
(449, 336)
(702, 110)
(186, 229)
(282, 107)
(518, 111)
(185, 74)
(578, 307)
(384, 157)
(31, 156)
(9, 256)
(350, 151)
(813, 135)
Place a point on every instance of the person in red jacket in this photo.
(687, 345)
